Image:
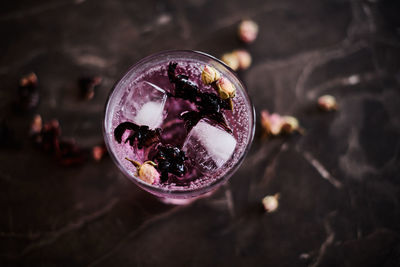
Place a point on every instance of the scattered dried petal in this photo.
(271, 123)
(29, 79)
(231, 60)
(275, 124)
(225, 88)
(88, 86)
(248, 31)
(98, 152)
(290, 124)
(146, 171)
(28, 94)
(243, 57)
(327, 103)
(209, 75)
(47, 137)
(271, 203)
(37, 125)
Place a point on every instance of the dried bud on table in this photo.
(271, 203)
(231, 60)
(327, 103)
(28, 94)
(98, 152)
(244, 58)
(275, 124)
(248, 31)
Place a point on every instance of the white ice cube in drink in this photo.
(209, 147)
(144, 105)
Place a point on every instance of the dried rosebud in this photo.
(37, 125)
(290, 124)
(327, 103)
(146, 171)
(271, 123)
(275, 124)
(243, 57)
(209, 75)
(28, 95)
(271, 203)
(225, 88)
(248, 31)
(231, 60)
(98, 152)
(29, 79)
(88, 86)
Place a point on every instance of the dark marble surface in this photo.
(339, 183)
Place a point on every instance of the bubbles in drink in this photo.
(208, 146)
(144, 105)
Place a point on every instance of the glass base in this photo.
(183, 201)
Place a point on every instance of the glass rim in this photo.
(181, 193)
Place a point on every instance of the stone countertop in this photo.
(339, 183)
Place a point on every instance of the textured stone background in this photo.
(339, 183)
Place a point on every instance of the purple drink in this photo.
(146, 95)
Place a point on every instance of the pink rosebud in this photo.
(243, 57)
(225, 88)
(209, 75)
(248, 31)
(327, 103)
(231, 60)
(271, 203)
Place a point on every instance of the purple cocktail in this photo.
(191, 134)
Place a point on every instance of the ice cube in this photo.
(208, 147)
(144, 104)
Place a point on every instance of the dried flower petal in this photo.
(290, 124)
(98, 152)
(37, 124)
(28, 94)
(271, 203)
(225, 88)
(209, 75)
(146, 171)
(275, 124)
(327, 103)
(243, 57)
(231, 60)
(248, 31)
(271, 123)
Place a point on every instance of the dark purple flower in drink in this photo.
(170, 159)
(209, 105)
(142, 134)
(184, 88)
